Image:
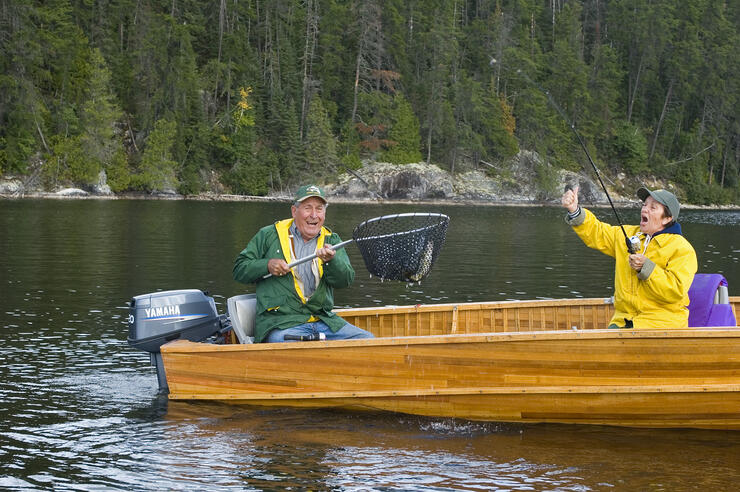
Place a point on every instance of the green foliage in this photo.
(628, 148)
(546, 178)
(603, 92)
(118, 172)
(349, 147)
(249, 173)
(3, 156)
(400, 81)
(157, 171)
(286, 149)
(403, 134)
(99, 114)
(694, 182)
(248, 178)
(19, 141)
(320, 147)
(490, 119)
(69, 163)
(389, 129)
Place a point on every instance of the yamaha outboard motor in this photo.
(160, 317)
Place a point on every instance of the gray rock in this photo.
(523, 179)
(101, 187)
(71, 192)
(11, 187)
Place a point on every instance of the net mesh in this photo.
(403, 246)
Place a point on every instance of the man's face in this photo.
(309, 217)
(652, 218)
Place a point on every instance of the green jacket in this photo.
(280, 300)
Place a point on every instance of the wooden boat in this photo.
(514, 361)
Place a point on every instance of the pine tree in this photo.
(99, 116)
(320, 148)
(158, 169)
(403, 134)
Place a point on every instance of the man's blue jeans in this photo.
(348, 331)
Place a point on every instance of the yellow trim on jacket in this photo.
(283, 230)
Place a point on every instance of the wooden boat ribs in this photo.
(504, 316)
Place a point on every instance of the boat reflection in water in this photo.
(331, 449)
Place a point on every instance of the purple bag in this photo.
(708, 304)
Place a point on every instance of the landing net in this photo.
(403, 246)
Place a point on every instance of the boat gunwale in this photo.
(185, 346)
(472, 306)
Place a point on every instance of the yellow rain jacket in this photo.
(657, 296)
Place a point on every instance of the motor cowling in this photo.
(161, 317)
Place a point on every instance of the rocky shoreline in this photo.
(383, 183)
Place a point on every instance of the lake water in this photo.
(79, 408)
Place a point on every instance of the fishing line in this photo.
(630, 246)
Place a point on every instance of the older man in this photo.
(297, 303)
(650, 285)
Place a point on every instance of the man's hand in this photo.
(277, 267)
(325, 253)
(637, 261)
(570, 199)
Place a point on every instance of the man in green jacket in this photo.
(298, 302)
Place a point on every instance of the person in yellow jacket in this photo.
(651, 285)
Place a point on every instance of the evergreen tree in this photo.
(320, 148)
(99, 115)
(157, 171)
(403, 135)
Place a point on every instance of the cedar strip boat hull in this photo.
(485, 362)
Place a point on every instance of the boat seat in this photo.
(709, 303)
(242, 312)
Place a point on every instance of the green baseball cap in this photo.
(664, 197)
(308, 191)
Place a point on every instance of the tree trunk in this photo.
(724, 162)
(429, 145)
(633, 93)
(308, 52)
(662, 117)
(357, 83)
(221, 18)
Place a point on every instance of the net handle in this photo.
(308, 258)
(332, 247)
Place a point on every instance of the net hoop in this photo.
(401, 246)
(400, 233)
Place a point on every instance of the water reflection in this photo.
(325, 450)
(79, 408)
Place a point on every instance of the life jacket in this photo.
(286, 245)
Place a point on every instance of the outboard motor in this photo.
(160, 317)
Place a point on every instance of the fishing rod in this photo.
(630, 246)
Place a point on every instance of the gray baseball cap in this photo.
(664, 197)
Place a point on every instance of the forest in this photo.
(253, 96)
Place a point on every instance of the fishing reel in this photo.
(633, 244)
